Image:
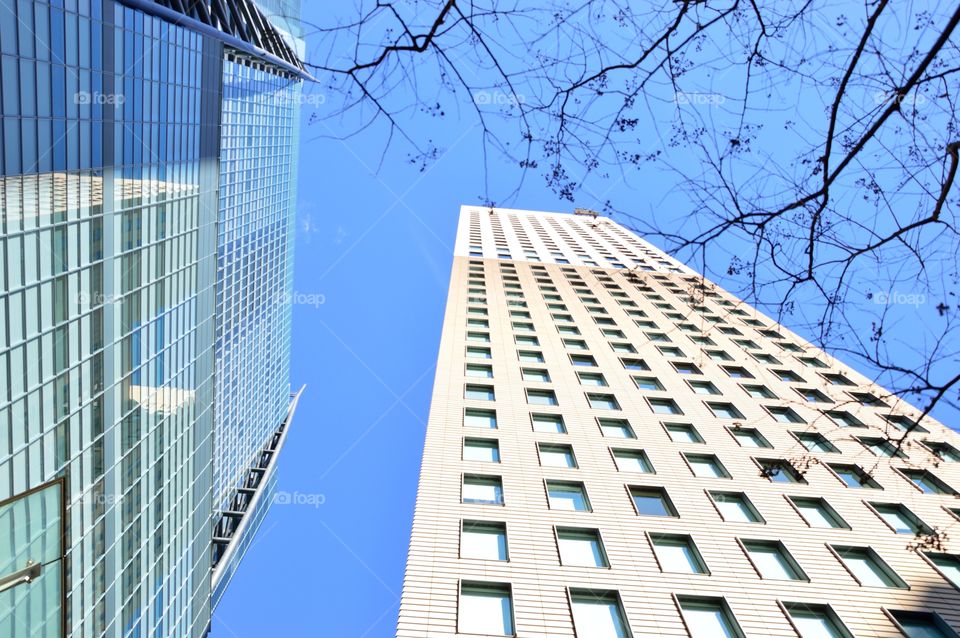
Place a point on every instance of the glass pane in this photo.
(598, 616)
(580, 547)
(483, 540)
(567, 497)
(485, 610)
(707, 620)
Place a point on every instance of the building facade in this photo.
(618, 448)
(131, 208)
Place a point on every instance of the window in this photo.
(759, 391)
(487, 450)
(478, 323)
(479, 370)
(548, 423)
(881, 447)
(737, 372)
(648, 383)
(683, 367)
(683, 433)
(476, 352)
(592, 379)
(784, 415)
(485, 608)
(919, 624)
(724, 410)
(568, 330)
(947, 564)
(556, 455)
(708, 618)
(581, 547)
(816, 512)
(816, 621)
(836, 379)
(815, 442)
(530, 356)
(478, 392)
(616, 429)
(678, 553)
(652, 501)
(483, 337)
(706, 466)
(788, 375)
(635, 364)
(780, 471)
(598, 614)
(657, 337)
(541, 397)
(670, 352)
(632, 461)
(943, 451)
(602, 401)
(575, 344)
(664, 406)
(484, 490)
(868, 399)
(583, 360)
(903, 423)
(567, 496)
(526, 340)
(845, 419)
(703, 387)
(812, 395)
(535, 374)
(735, 507)
(483, 539)
(623, 347)
(900, 519)
(749, 437)
(927, 483)
(772, 560)
(475, 418)
(854, 476)
(719, 355)
(867, 567)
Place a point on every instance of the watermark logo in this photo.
(299, 498)
(97, 298)
(498, 98)
(913, 99)
(699, 99)
(88, 98)
(896, 298)
(297, 298)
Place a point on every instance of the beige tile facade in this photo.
(499, 278)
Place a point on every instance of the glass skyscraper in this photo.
(147, 187)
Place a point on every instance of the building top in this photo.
(557, 238)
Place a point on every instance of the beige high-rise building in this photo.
(617, 448)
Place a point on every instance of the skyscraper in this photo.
(148, 187)
(617, 447)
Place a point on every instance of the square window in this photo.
(706, 465)
(920, 624)
(816, 512)
(853, 476)
(652, 501)
(779, 471)
(683, 367)
(812, 395)
(772, 560)
(483, 490)
(556, 455)
(568, 330)
(784, 415)
(927, 483)
(816, 621)
(671, 352)
(837, 379)
(708, 617)
(478, 392)
(632, 461)
(485, 608)
(478, 336)
(749, 437)
(678, 553)
(548, 423)
(541, 397)
(592, 379)
(479, 370)
(526, 340)
(635, 364)
(881, 447)
(867, 567)
(602, 401)
(581, 547)
(758, 391)
(575, 344)
(530, 356)
(476, 418)
(735, 507)
(737, 372)
(616, 429)
(683, 433)
(900, 519)
(567, 496)
(943, 451)
(598, 613)
(947, 564)
(816, 442)
(483, 539)
(648, 383)
(475, 352)
(788, 375)
(724, 410)
(703, 387)
(664, 406)
(623, 347)
(585, 360)
(845, 419)
(535, 374)
(486, 450)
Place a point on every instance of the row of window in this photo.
(487, 608)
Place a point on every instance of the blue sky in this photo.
(373, 254)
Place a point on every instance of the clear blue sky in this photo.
(375, 246)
